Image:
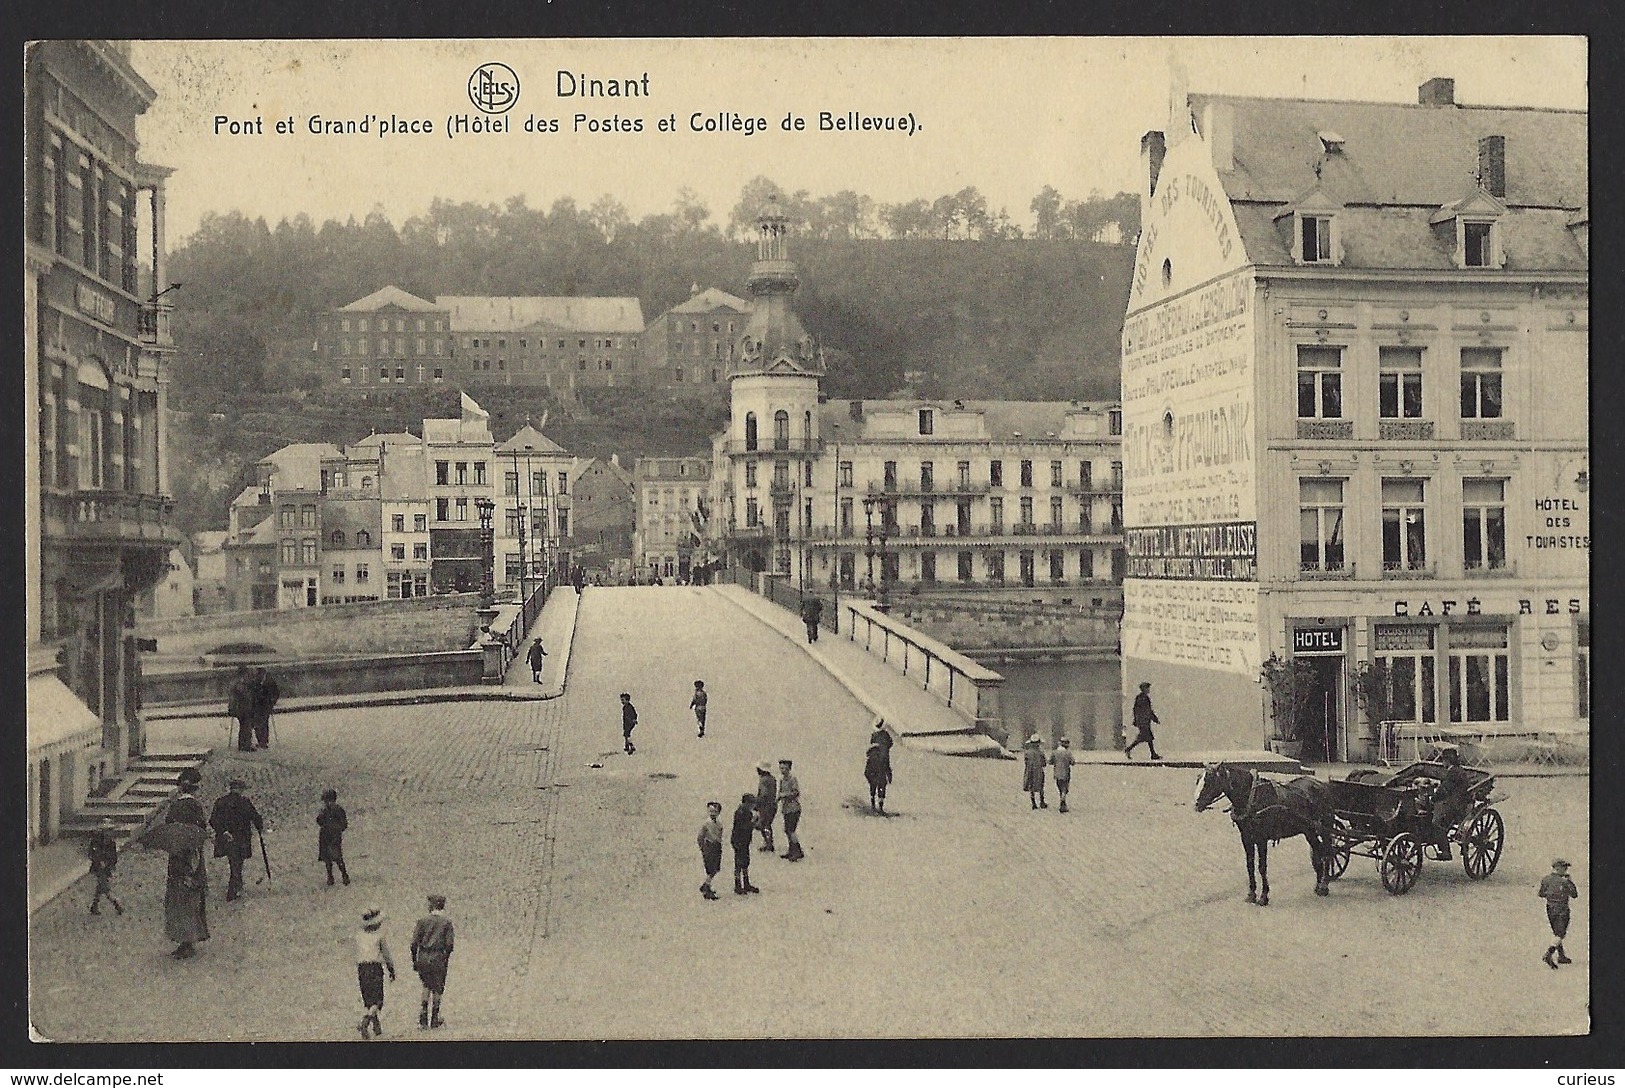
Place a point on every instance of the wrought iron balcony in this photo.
(109, 516)
(776, 445)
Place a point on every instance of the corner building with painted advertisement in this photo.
(1355, 402)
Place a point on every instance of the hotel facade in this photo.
(1355, 370)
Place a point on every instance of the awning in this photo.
(56, 716)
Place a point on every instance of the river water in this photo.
(1081, 700)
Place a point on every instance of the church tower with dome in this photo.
(773, 438)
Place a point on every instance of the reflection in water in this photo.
(1081, 700)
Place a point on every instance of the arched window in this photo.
(750, 430)
(363, 538)
(336, 538)
(781, 430)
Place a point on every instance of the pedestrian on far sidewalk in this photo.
(580, 579)
(790, 805)
(767, 803)
(697, 704)
(103, 851)
(266, 693)
(743, 829)
(1061, 760)
(812, 610)
(433, 941)
(372, 959)
(1557, 889)
(710, 840)
(1032, 770)
(629, 722)
(877, 769)
(240, 705)
(534, 657)
(1144, 715)
(333, 823)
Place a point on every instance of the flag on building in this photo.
(472, 410)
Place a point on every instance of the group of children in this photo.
(756, 812)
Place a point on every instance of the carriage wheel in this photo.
(1400, 864)
(1481, 846)
(1338, 862)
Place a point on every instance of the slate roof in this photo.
(1398, 165)
(300, 465)
(390, 296)
(1004, 420)
(481, 313)
(529, 438)
(710, 299)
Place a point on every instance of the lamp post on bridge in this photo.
(875, 544)
(488, 588)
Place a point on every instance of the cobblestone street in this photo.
(574, 887)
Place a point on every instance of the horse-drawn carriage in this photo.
(1391, 820)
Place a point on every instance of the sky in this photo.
(1006, 115)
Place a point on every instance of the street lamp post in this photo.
(488, 588)
(875, 544)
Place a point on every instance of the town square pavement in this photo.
(573, 879)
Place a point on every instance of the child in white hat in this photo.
(372, 958)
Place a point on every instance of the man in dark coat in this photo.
(536, 657)
(234, 820)
(1450, 797)
(266, 694)
(1144, 715)
(186, 884)
(812, 610)
(744, 828)
(240, 705)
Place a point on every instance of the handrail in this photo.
(964, 685)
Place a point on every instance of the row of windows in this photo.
(89, 448)
(406, 584)
(443, 473)
(1399, 382)
(697, 348)
(421, 324)
(927, 421)
(397, 552)
(87, 213)
(598, 343)
(694, 326)
(677, 374)
(420, 523)
(994, 567)
(400, 373)
(336, 539)
(1316, 241)
(1404, 525)
(961, 523)
(361, 346)
(362, 574)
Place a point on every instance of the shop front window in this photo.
(1480, 672)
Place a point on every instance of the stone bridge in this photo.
(420, 625)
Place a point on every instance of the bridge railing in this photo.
(969, 689)
(502, 638)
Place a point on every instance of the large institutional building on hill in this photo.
(1017, 499)
(1355, 407)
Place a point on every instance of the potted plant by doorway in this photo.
(1286, 683)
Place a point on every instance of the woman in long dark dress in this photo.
(186, 885)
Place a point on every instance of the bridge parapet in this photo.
(970, 689)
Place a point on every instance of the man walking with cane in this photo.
(235, 819)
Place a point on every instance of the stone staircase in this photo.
(146, 785)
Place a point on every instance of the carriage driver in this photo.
(1450, 797)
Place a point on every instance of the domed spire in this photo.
(774, 340)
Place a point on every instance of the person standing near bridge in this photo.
(1032, 771)
(266, 693)
(698, 704)
(1061, 760)
(790, 805)
(744, 829)
(234, 819)
(767, 803)
(1144, 715)
(535, 657)
(812, 610)
(629, 722)
(240, 705)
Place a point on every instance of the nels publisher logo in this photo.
(493, 88)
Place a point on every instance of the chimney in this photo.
(1152, 148)
(1492, 165)
(1219, 126)
(854, 409)
(1438, 91)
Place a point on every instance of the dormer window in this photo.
(1315, 239)
(1478, 244)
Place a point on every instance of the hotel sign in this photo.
(1317, 640)
(97, 305)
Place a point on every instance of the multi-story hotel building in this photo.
(672, 504)
(690, 347)
(532, 520)
(1019, 499)
(98, 517)
(1355, 419)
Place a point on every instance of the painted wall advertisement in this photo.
(1207, 625)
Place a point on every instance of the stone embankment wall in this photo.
(972, 626)
(418, 625)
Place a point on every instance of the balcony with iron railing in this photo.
(944, 488)
(109, 516)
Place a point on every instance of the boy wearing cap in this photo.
(743, 830)
(372, 958)
(103, 850)
(629, 722)
(710, 840)
(333, 822)
(697, 704)
(1032, 774)
(433, 940)
(1061, 760)
(767, 803)
(1557, 889)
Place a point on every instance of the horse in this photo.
(1265, 811)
